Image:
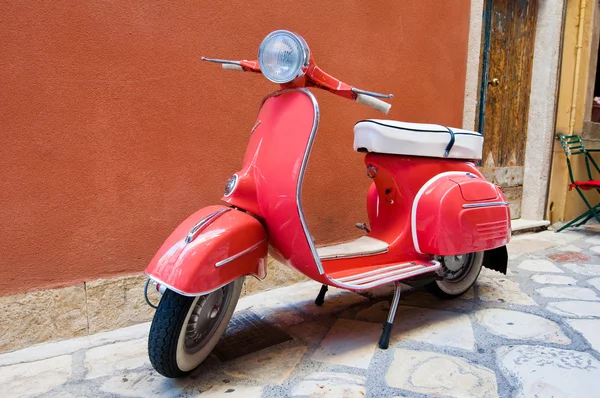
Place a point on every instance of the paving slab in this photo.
(349, 343)
(575, 309)
(584, 269)
(593, 240)
(553, 279)
(569, 257)
(594, 282)
(331, 384)
(539, 266)
(271, 365)
(437, 374)
(569, 248)
(106, 360)
(502, 290)
(568, 292)
(441, 328)
(35, 378)
(589, 329)
(143, 384)
(521, 326)
(538, 371)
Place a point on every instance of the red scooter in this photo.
(434, 220)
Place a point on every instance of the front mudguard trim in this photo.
(496, 259)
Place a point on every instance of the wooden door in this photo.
(506, 61)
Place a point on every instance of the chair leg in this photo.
(588, 218)
(574, 221)
(384, 340)
(592, 213)
(321, 296)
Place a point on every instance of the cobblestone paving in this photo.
(533, 333)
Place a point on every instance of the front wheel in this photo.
(185, 330)
(458, 274)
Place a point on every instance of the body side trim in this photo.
(240, 254)
(483, 204)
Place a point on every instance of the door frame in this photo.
(543, 96)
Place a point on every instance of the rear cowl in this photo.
(458, 212)
(211, 248)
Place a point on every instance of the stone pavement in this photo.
(535, 333)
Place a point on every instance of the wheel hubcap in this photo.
(206, 317)
(455, 268)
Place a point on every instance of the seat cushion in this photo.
(587, 185)
(414, 139)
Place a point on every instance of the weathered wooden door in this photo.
(506, 62)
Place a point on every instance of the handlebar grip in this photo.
(374, 103)
(234, 67)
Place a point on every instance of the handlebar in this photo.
(316, 77)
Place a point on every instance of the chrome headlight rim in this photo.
(229, 191)
(302, 45)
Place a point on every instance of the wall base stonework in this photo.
(41, 316)
(96, 306)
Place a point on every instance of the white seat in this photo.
(362, 246)
(414, 139)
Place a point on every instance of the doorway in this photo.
(508, 39)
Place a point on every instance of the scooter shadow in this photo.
(344, 331)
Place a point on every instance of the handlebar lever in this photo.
(371, 93)
(220, 61)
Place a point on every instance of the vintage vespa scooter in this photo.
(433, 218)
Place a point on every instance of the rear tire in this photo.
(457, 279)
(185, 329)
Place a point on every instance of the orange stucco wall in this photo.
(113, 130)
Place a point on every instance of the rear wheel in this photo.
(459, 273)
(185, 329)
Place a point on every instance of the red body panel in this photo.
(271, 176)
(390, 201)
(452, 217)
(193, 268)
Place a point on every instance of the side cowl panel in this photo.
(211, 248)
(458, 212)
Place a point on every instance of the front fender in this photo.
(211, 248)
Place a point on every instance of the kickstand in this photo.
(321, 296)
(384, 340)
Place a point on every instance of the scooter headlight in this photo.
(282, 56)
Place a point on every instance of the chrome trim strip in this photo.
(202, 224)
(240, 254)
(338, 256)
(435, 265)
(313, 132)
(487, 204)
(372, 278)
(374, 272)
(181, 292)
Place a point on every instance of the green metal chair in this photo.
(573, 146)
